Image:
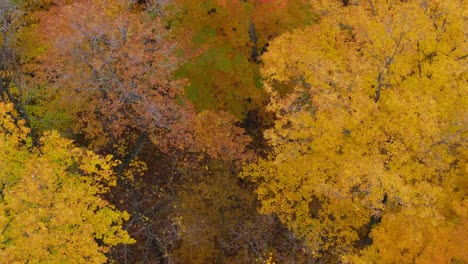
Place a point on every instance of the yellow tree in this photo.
(369, 142)
(50, 205)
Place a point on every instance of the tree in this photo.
(51, 208)
(111, 69)
(216, 134)
(222, 41)
(369, 137)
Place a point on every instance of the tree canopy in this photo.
(50, 205)
(369, 137)
(215, 131)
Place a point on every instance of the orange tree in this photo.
(109, 68)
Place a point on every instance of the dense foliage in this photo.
(233, 131)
